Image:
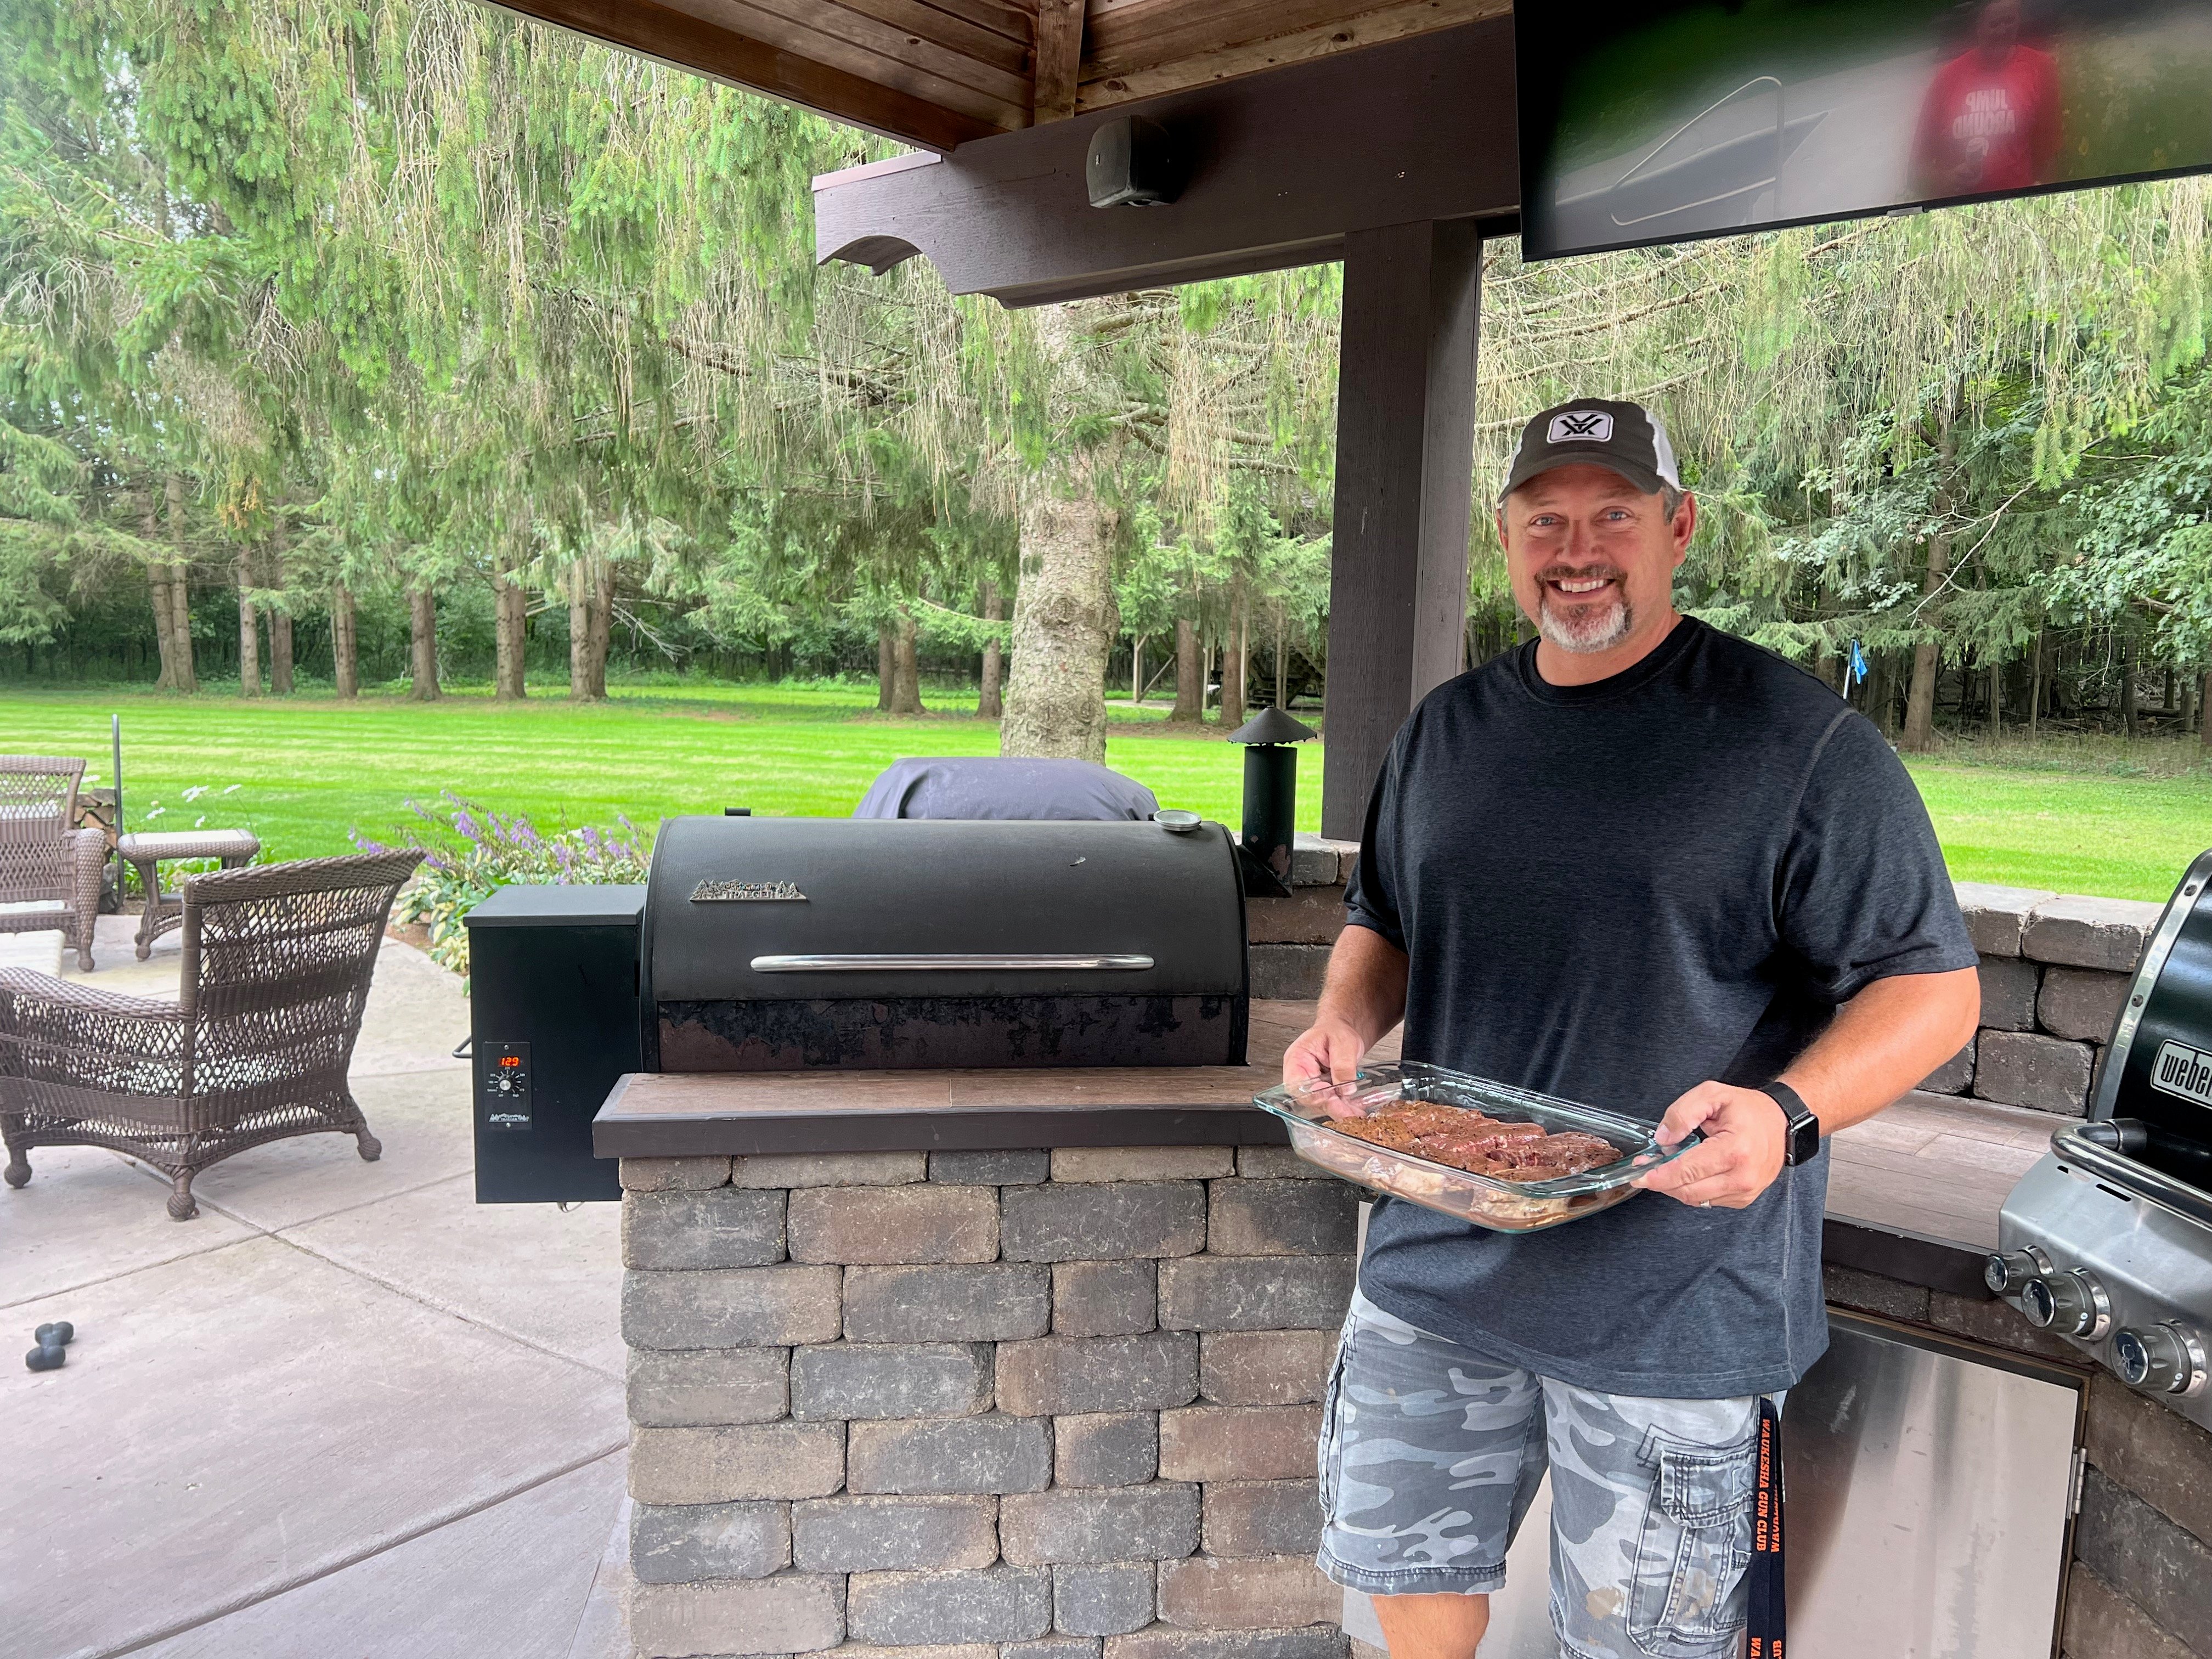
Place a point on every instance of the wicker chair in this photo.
(43, 861)
(276, 966)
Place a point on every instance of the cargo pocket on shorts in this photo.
(1326, 1449)
(1695, 1546)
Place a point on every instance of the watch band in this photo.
(1802, 1140)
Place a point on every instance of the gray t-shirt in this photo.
(1612, 893)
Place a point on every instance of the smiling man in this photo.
(1644, 865)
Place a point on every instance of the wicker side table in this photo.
(144, 853)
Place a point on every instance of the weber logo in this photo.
(1581, 426)
(744, 892)
(2183, 1071)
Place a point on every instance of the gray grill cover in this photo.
(975, 786)
(726, 892)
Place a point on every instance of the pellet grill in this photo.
(2108, 1242)
(780, 945)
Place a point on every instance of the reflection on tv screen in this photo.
(1667, 119)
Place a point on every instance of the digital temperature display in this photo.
(506, 1060)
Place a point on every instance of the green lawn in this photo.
(303, 772)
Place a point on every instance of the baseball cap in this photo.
(1596, 432)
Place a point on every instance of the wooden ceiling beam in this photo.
(682, 40)
(1284, 167)
(1059, 60)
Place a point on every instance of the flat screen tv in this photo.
(1660, 120)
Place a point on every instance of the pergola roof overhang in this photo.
(939, 73)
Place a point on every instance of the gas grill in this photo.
(2108, 1242)
(771, 945)
(775, 944)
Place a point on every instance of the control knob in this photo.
(2007, 1271)
(2166, 1358)
(2068, 1304)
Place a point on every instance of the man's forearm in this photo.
(1366, 984)
(1883, 1042)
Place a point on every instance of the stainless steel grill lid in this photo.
(773, 944)
(2108, 1242)
(2157, 1070)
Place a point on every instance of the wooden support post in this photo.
(1405, 462)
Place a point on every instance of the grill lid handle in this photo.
(894, 963)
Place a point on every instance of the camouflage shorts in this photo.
(1430, 1454)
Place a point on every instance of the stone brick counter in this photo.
(989, 1404)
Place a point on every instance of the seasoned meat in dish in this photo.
(1466, 1139)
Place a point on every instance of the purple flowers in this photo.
(472, 851)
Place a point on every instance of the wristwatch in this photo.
(1803, 1136)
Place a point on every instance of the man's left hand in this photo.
(1740, 1156)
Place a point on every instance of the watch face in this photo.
(1804, 1140)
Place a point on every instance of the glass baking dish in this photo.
(1511, 1206)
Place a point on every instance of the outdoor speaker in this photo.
(1132, 163)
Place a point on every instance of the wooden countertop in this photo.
(1914, 1194)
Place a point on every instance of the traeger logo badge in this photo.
(744, 892)
(2183, 1071)
(1581, 426)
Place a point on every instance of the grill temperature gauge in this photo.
(2071, 1305)
(2166, 1359)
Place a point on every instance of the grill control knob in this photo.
(2070, 1304)
(2007, 1273)
(2161, 1358)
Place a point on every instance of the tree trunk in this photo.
(2204, 711)
(185, 678)
(2035, 687)
(1236, 653)
(157, 591)
(345, 643)
(990, 705)
(1927, 660)
(1283, 663)
(1136, 668)
(422, 644)
(1190, 674)
(249, 632)
(886, 667)
(906, 670)
(2166, 693)
(1064, 621)
(510, 610)
(280, 620)
(2128, 685)
(602, 626)
(1997, 699)
(583, 634)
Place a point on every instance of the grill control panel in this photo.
(2126, 1280)
(506, 1092)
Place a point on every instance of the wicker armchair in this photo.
(276, 966)
(43, 861)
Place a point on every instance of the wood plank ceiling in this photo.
(935, 73)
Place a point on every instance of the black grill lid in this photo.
(761, 909)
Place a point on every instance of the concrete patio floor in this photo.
(346, 1411)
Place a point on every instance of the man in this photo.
(1990, 119)
(1643, 865)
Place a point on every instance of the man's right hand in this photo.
(1329, 1047)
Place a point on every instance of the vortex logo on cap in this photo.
(1581, 426)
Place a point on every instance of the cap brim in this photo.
(1643, 477)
